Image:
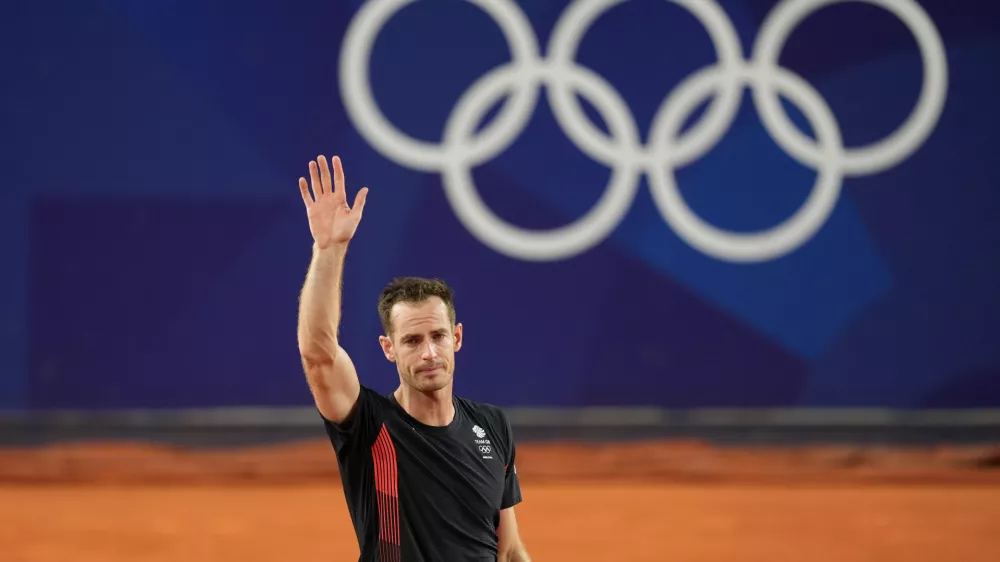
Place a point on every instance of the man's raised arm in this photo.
(329, 371)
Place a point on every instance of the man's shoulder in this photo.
(369, 405)
(373, 394)
(486, 412)
(486, 408)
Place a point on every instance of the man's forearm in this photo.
(516, 554)
(319, 304)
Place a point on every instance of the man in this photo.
(428, 476)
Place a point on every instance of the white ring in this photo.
(522, 83)
(356, 91)
(625, 146)
(880, 155)
(536, 245)
(563, 44)
(775, 241)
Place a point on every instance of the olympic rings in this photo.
(666, 150)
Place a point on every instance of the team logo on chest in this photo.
(484, 445)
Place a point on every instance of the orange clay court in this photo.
(639, 502)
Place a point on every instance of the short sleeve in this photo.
(512, 486)
(362, 425)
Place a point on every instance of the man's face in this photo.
(423, 344)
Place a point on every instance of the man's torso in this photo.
(422, 493)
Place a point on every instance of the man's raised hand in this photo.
(331, 220)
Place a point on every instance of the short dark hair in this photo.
(413, 290)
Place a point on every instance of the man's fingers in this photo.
(304, 188)
(338, 178)
(323, 183)
(314, 178)
(324, 174)
(359, 200)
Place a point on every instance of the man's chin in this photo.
(431, 381)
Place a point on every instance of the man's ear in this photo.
(386, 344)
(458, 336)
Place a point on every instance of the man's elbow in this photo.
(317, 351)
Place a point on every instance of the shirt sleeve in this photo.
(512, 486)
(361, 427)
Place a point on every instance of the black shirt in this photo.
(418, 493)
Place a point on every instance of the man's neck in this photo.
(429, 408)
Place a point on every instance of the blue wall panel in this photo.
(154, 242)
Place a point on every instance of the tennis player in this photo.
(428, 476)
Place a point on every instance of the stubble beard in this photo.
(427, 384)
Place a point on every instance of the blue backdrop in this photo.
(154, 242)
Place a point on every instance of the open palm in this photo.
(331, 220)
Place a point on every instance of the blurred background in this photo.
(668, 280)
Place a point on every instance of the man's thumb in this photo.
(359, 199)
